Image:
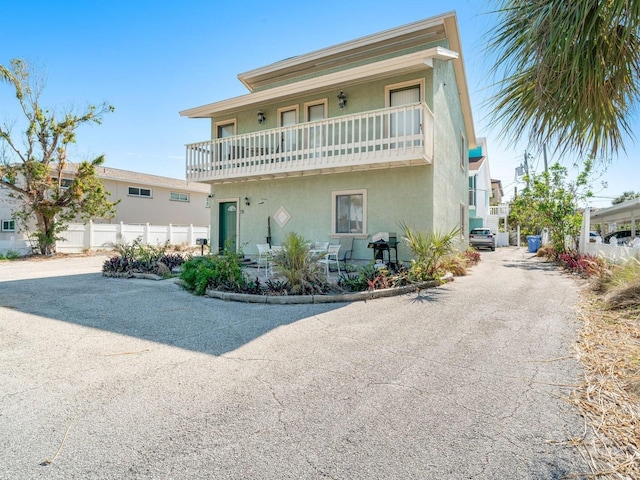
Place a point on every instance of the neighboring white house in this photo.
(343, 143)
(498, 192)
(480, 190)
(625, 213)
(143, 199)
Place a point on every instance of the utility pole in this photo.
(526, 167)
(544, 151)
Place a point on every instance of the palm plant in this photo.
(298, 267)
(429, 250)
(569, 71)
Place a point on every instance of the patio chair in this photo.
(346, 247)
(264, 259)
(321, 246)
(331, 258)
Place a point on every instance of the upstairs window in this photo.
(139, 192)
(179, 197)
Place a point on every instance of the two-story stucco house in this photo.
(346, 141)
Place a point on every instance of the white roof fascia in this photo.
(616, 213)
(346, 46)
(342, 77)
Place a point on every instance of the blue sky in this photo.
(152, 59)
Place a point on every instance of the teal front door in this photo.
(227, 233)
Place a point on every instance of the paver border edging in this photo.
(332, 298)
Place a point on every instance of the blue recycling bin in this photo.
(534, 243)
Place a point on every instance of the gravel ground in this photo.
(108, 379)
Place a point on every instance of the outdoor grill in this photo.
(382, 248)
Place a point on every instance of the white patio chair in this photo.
(321, 246)
(331, 258)
(264, 259)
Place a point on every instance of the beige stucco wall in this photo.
(158, 210)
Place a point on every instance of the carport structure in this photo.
(623, 213)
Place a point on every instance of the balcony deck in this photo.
(389, 137)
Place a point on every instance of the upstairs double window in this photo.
(140, 192)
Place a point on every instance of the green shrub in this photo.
(9, 255)
(219, 272)
(138, 257)
(146, 255)
(371, 278)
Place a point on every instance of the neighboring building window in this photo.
(64, 183)
(473, 182)
(139, 192)
(349, 212)
(8, 225)
(179, 197)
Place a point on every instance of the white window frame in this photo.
(464, 154)
(224, 123)
(463, 217)
(139, 194)
(178, 197)
(9, 225)
(418, 82)
(334, 196)
(281, 110)
(307, 105)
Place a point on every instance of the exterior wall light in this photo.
(342, 100)
(247, 202)
(261, 117)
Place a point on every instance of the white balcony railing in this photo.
(379, 138)
(499, 210)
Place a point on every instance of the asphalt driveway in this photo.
(118, 379)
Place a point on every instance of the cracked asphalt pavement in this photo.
(106, 378)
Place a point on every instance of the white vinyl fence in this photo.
(103, 236)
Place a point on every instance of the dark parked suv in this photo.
(622, 236)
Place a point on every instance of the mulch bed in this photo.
(609, 398)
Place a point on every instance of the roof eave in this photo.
(341, 78)
(375, 38)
